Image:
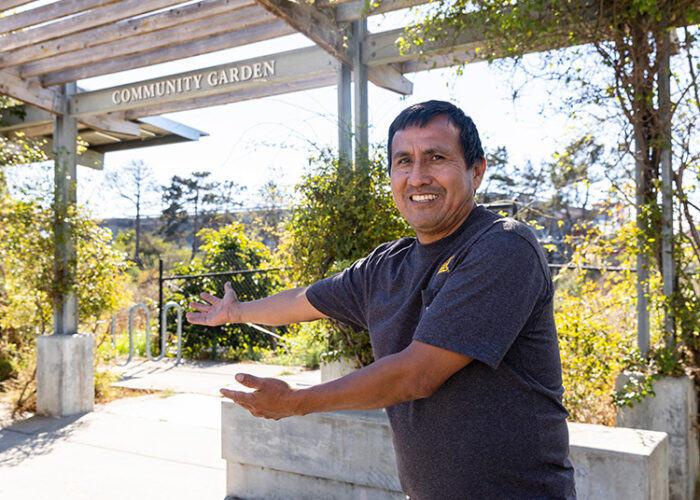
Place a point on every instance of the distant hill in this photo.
(152, 224)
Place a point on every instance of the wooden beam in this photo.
(27, 116)
(55, 10)
(204, 28)
(112, 123)
(313, 23)
(35, 130)
(389, 77)
(86, 158)
(28, 90)
(284, 67)
(42, 108)
(105, 15)
(381, 48)
(211, 44)
(355, 10)
(326, 34)
(11, 4)
(236, 96)
(463, 56)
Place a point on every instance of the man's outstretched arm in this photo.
(289, 306)
(414, 373)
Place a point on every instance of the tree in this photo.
(14, 150)
(614, 61)
(554, 197)
(343, 213)
(271, 214)
(27, 255)
(199, 197)
(134, 182)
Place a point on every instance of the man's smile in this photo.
(423, 197)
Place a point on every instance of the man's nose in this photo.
(419, 175)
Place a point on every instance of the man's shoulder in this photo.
(511, 232)
(513, 241)
(391, 249)
(489, 228)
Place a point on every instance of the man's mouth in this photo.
(422, 198)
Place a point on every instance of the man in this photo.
(461, 322)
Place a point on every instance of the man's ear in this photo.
(478, 171)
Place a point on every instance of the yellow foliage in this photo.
(596, 321)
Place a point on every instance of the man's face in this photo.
(430, 182)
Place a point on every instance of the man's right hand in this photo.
(217, 311)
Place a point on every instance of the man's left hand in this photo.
(272, 398)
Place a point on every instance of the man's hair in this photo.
(420, 114)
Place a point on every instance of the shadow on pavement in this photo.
(35, 436)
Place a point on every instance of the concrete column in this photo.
(673, 411)
(344, 112)
(65, 374)
(359, 75)
(65, 165)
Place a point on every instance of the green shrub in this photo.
(343, 213)
(224, 250)
(304, 346)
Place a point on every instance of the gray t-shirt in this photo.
(495, 429)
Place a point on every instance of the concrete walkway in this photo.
(159, 446)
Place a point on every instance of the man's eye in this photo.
(437, 157)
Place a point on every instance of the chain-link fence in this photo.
(232, 342)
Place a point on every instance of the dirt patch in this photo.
(115, 393)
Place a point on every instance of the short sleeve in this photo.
(343, 296)
(486, 299)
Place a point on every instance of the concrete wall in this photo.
(64, 369)
(673, 410)
(343, 455)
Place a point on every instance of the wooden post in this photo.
(359, 30)
(344, 113)
(65, 182)
(668, 271)
(642, 263)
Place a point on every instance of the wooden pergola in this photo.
(46, 48)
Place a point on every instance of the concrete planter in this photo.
(332, 370)
(338, 455)
(673, 410)
(344, 455)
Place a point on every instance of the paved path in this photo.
(160, 446)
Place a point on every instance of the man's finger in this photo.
(200, 307)
(250, 380)
(196, 318)
(209, 297)
(242, 398)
